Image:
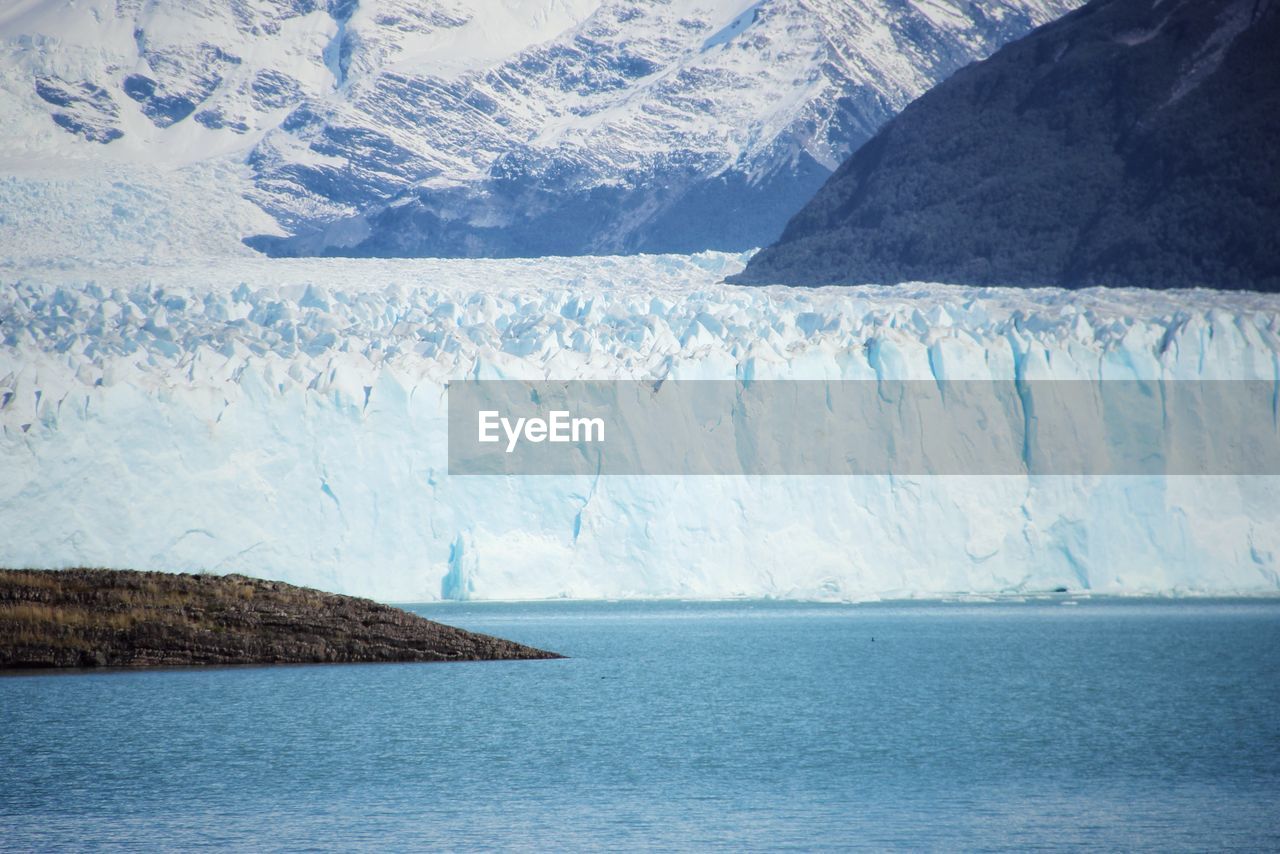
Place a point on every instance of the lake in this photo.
(1062, 721)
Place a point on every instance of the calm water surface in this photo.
(1134, 724)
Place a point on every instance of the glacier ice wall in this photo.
(287, 419)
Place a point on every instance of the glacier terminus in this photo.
(288, 419)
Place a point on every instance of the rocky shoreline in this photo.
(122, 618)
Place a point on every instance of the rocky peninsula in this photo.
(120, 618)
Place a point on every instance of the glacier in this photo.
(286, 418)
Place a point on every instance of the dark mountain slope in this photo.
(1131, 143)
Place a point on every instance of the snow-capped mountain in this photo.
(1161, 117)
(288, 418)
(458, 127)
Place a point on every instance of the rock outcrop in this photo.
(113, 618)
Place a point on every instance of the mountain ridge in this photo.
(1124, 144)
(390, 127)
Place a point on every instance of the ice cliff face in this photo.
(458, 127)
(287, 419)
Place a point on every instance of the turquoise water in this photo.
(1135, 724)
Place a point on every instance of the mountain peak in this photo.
(1129, 143)
(461, 127)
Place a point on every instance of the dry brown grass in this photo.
(63, 615)
(28, 578)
